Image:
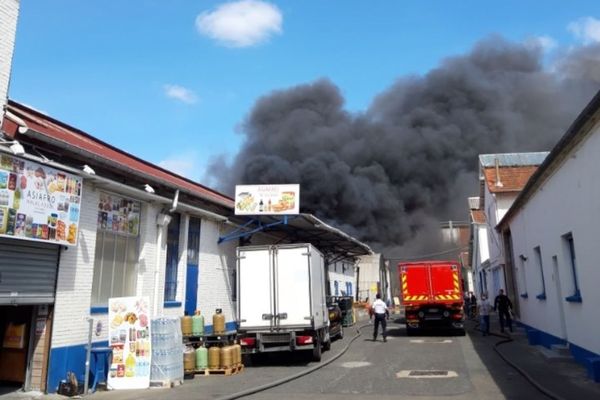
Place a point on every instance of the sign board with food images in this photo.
(267, 199)
(118, 215)
(129, 338)
(38, 202)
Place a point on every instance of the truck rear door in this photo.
(292, 290)
(415, 283)
(445, 283)
(255, 288)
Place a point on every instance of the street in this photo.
(461, 367)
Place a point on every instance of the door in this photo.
(559, 298)
(255, 289)
(27, 272)
(445, 283)
(191, 289)
(191, 281)
(293, 290)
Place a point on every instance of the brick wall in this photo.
(75, 274)
(9, 12)
(217, 271)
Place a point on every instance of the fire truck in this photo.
(432, 295)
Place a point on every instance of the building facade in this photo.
(502, 177)
(550, 234)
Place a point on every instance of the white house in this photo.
(551, 236)
(502, 177)
(479, 250)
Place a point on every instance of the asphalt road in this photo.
(447, 366)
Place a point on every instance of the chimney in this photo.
(498, 182)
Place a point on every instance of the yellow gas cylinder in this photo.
(189, 360)
(214, 356)
(237, 354)
(186, 325)
(218, 322)
(226, 357)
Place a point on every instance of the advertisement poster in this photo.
(38, 202)
(129, 338)
(267, 199)
(118, 215)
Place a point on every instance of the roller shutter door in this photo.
(27, 272)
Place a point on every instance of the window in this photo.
(523, 277)
(538, 257)
(172, 258)
(336, 287)
(117, 249)
(572, 260)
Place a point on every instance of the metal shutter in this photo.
(27, 271)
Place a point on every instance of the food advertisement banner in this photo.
(119, 215)
(38, 202)
(267, 199)
(129, 338)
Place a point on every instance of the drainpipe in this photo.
(162, 221)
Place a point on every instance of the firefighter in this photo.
(381, 313)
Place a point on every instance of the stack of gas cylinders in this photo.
(203, 357)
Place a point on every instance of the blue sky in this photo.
(173, 83)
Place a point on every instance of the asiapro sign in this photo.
(267, 199)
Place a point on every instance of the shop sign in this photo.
(119, 215)
(267, 199)
(129, 338)
(38, 202)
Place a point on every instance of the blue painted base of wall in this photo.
(72, 358)
(65, 359)
(585, 357)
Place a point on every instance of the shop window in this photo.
(172, 258)
(117, 249)
(572, 261)
(538, 256)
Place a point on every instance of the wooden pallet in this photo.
(221, 371)
(166, 384)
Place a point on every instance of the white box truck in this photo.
(281, 304)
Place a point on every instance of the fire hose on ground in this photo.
(297, 375)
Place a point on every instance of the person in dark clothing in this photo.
(503, 305)
(473, 306)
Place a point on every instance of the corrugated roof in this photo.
(512, 159)
(76, 140)
(512, 179)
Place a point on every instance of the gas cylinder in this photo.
(218, 322)
(197, 324)
(201, 358)
(226, 357)
(214, 355)
(237, 354)
(186, 325)
(189, 360)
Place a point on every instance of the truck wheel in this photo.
(327, 345)
(410, 331)
(316, 355)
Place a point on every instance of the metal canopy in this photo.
(302, 228)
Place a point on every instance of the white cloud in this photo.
(184, 164)
(545, 43)
(242, 23)
(587, 29)
(180, 93)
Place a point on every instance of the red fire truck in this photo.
(432, 295)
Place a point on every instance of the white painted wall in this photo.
(341, 272)
(217, 265)
(368, 276)
(9, 13)
(567, 202)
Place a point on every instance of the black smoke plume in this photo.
(389, 175)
